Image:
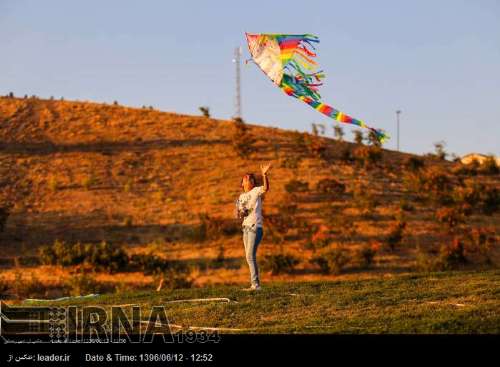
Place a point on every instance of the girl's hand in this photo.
(265, 168)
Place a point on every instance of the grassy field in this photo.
(433, 303)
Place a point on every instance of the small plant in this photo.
(406, 205)
(173, 279)
(4, 215)
(364, 199)
(242, 140)
(205, 111)
(332, 261)
(290, 162)
(366, 254)
(280, 263)
(103, 256)
(338, 132)
(23, 288)
(395, 236)
(452, 255)
(413, 164)
(367, 157)
(358, 137)
(451, 217)
(53, 184)
(489, 166)
(346, 155)
(127, 221)
(218, 262)
(4, 288)
(82, 284)
(293, 186)
(439, 151)
(319, 239)
(373, 139)
(128, 186)
(330, 186)
(88, 181)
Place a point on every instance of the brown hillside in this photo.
(88, 172)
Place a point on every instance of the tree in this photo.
(358, 136)
(439, 150)
(314, 129)
(373, 139)
(205, 111)
(338, 132)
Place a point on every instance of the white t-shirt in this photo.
(252, 201)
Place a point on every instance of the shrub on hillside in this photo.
(358, 137)
(242, 140)
(83, 284)
(280, 263)
(395, 235)
(489, 166)
(213, 228)
(4, 215)
(294, 186)
(330, 186)
(364, 199)
(346, 155)
(205, 111)
(103, 256)
(478, 197)
(367, 156)
(290, 161)
(319, 238)
(332, 261)
(366, 254)
(413, 164)
(450, 216)
(173, 279)
(22, 287)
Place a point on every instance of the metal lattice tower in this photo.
(237, 102)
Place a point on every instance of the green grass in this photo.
(448, 302)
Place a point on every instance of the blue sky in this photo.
(437, 61)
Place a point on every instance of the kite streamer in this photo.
(288, 60)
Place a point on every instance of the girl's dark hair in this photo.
(251, 177)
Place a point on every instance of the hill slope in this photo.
(139, 178)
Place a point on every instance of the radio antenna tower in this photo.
(237, 102)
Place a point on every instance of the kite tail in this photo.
(342, 117)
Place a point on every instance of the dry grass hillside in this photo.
(161, 186)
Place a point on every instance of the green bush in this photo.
(330, 187)
(448, 257)
(413, 164)
(173, 279)
(489, 166)
(291, 162)
(293, 186)
(332, 261)
(368, 156)
(103, 256)
(82, 284)
(395, 236)
(4, 215)
(280, 263)
(22, 288)
(366, 254)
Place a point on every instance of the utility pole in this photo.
(398, 112)
(236, 60)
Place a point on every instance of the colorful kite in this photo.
(288, 61)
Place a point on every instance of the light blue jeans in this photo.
(251, 239)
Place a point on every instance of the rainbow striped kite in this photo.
(287, 59)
